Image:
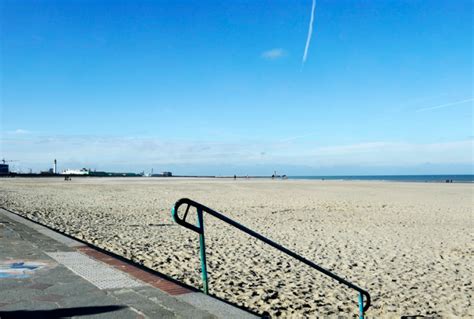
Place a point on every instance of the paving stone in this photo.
(55, 291)
(148, 308)
(71, 289)
(19, 294)
(51, 298)
(39, 286)
(29, 305)
(6, 284)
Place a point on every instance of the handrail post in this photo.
(361, 306)
(202, 250)
(199, 228)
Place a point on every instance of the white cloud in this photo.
(274, 54)
(18, 131)
(135, 153)
(395, 154)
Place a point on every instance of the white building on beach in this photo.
(82, 171)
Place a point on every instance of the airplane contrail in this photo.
(310, 32)
(292, 138)
(442, 106)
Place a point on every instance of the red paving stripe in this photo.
(149, 278)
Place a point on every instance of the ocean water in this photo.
(396, 178)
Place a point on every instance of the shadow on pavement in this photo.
(58, 313)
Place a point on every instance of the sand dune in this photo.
(409, 244)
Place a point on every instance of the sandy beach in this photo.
(409, 244)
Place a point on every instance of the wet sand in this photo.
(409, 244)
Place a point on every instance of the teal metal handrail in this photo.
(199, 228)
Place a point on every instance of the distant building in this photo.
(48, 172)
(112, 174)
(82, 171)
(162, 174)
(4, 170)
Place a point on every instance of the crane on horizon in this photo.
(4, 161)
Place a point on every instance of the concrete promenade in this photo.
(44, 274)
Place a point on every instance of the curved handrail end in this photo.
(182, 221)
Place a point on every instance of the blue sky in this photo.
(219, 87)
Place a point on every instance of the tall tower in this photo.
(55, 167)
